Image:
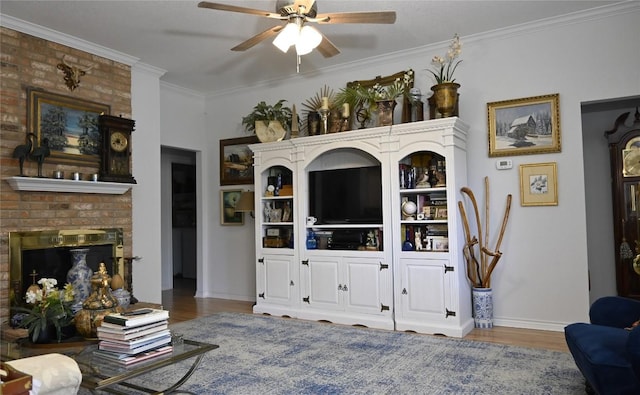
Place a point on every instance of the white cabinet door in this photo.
(275, 282)
(363, 286)
(323, 288)
(425, 290)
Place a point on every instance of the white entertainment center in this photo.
(400, 269)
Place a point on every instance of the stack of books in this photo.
(134, 336)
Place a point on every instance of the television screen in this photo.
(346, 196)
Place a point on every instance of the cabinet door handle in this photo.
(339, 287)
(404, 291)
(344, 288)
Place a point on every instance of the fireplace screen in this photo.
(39, 254)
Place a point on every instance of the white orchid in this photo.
(445, 65)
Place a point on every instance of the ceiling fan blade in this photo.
(243, 10)
(272, 31)
(356, 17)
(326, 47)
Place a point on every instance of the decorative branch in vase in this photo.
(476, 247)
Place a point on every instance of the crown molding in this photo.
(65, 39)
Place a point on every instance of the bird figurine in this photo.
(40, 153)
(23, 151)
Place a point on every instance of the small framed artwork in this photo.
(228, 214)
(524, 126)
(441, 213)
(68, 126)
(236, 160)
(539, 184)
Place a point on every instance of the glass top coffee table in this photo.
(101, 374)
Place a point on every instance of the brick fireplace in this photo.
(30, 62)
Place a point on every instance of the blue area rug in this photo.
(273, 355)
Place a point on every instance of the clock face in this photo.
(631, 162)
(119, 141)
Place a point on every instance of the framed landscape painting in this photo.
(69, 126)
(524, 126)
(236, 160)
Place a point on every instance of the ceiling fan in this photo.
(295, 31)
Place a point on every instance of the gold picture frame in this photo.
(385, 81)
(524, 126)
(228, 214)
(236, 160)
(68, 125)
(539, 184)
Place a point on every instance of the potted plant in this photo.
(381, 98)
(269, 122)
(445, 92)
(51, 309)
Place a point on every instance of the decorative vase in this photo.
(446, 97)
(79, 276)
(483, 307)
(385, 112)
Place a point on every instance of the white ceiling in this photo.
(193, 44)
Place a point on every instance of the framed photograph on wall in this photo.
(539, 184)
(524, 126)
(236, 160)
(228, 214)
(69, 126)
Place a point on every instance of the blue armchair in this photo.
(607, 354)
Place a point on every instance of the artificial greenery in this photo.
(50, 307)
(266, 112)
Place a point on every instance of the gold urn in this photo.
(445, 96)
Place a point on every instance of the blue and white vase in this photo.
(79, 276)
(483, 307)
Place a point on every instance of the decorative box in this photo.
(16, 382)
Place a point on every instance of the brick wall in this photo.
(30, 62)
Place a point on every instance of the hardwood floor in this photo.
(184, 306)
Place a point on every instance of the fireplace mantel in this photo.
(54, 185)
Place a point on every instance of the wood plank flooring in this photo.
(184, 306)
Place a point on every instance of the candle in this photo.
(345, 110)
(294, 121)
(325, 103)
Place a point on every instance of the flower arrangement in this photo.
(392, 91)
(50, 306)
(445, 66)
(359, 95)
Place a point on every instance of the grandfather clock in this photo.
(116, 149)
(624, 152)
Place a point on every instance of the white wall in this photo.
(145, 104)
(542, 279)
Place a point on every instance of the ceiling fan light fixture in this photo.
(308, 40)
(287, 37)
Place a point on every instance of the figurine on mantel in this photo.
(40, 153)
(23, 151)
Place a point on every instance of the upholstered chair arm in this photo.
(615, 311)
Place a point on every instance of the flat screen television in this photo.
(346, 196)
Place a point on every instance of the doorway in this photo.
(180, 220)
